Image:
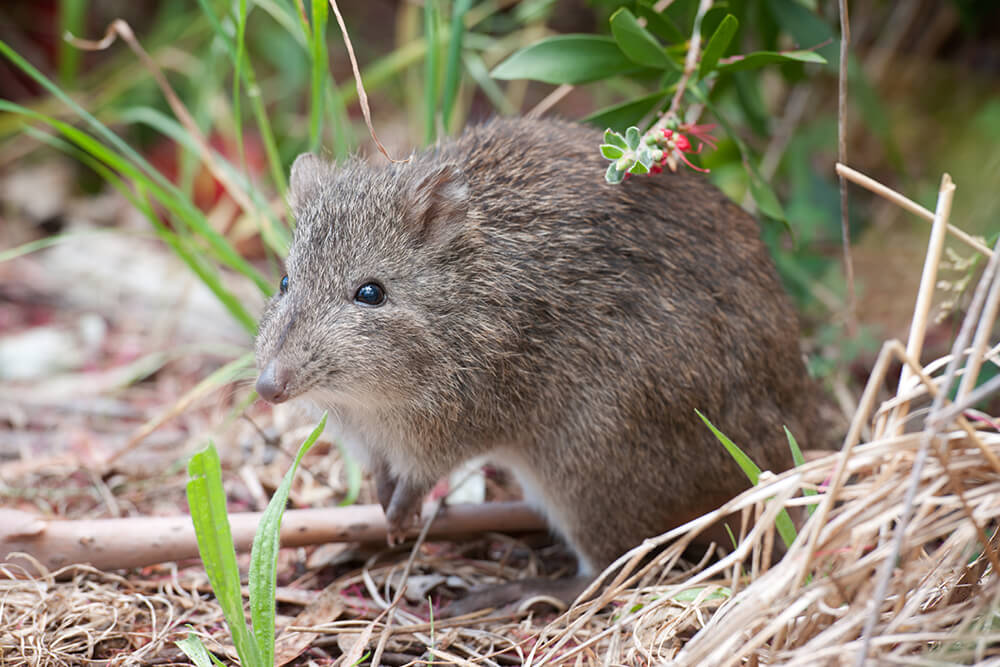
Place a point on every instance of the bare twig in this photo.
(845, 229)
(111, 544)
(550, 100)
(362, 95)
(928, 283)
(691, 61)
(874, 186)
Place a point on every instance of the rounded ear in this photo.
(306, 178)
(440, 202)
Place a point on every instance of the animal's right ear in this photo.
(306, 178)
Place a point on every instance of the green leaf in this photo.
(807, 28)
(264, 556)
(761, 58)
(691, 594)
(613, 175)
(645, 157)
(318, 70)
(633, 137)
(207, 502)
(431, 69)
(762, 192)
(453, 67)
(611, 152)
(354, 476)
(627, 113)
(638, 169)
(717, 45)
(799, 460)
(746, 464)
(783, 522)
(257, 102)
(196, 652)
(570, 59)
(660, 24)
(615, 139)
(636, 42)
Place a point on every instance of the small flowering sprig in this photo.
(665, 144)
(629, 154)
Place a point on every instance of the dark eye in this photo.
(283, 285)
(370, 294)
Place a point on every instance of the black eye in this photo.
(370, 294)
(283, 285)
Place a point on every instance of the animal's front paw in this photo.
(400, 499)
(402, 523)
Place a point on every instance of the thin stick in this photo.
(550, 100)
(691, 61)
(362, 95)
(928, 283)
(60, 543)
(913, 207)
(845, 230)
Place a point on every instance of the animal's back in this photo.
(635, 306)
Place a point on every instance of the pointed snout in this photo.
(272, 384)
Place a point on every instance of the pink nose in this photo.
(272, 385)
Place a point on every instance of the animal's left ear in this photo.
(306, 178)
(439, 202)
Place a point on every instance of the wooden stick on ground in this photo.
(111, 544)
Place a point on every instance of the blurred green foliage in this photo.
(267, 79)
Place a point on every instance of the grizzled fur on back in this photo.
(562, 326)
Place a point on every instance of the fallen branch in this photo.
(112, 544)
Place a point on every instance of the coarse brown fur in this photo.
(537, 315)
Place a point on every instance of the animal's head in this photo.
(371, 303)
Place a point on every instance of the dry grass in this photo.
(896, 564)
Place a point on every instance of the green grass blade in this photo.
(207, 501)
(799, 460)
(354, 475)
(431, 86)
(275, 234)
(746, 464)
(794, 446)
(477, 69)
(196, 652)
(176, 200)
(137, 196)
(783, 522)
(317, 58)
(264, 556)
(453, 66)
(262, 119)
(71, 20)
(48, 242)
(241, 49)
